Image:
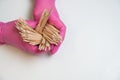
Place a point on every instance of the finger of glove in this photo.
(40, 6)
(55, 21)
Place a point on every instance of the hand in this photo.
(54, 18)
(10, 35)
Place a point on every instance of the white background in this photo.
(91, 50)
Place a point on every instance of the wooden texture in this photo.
(43, 35)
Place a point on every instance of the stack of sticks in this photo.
(43, 35)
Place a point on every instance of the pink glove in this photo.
(54, 19)
(10, 35)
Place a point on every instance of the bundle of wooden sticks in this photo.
(43, 35)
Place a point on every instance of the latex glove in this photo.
(54, 18)
(10, 35)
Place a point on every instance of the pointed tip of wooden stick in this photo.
(51, 9)
(48, 11)
(20, 19)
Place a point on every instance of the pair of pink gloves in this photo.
(10, 35)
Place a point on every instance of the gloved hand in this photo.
(54, 18)
(10, 35)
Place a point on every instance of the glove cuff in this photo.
(1, 33)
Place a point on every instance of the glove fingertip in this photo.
(54, 49)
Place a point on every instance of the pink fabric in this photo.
(54, 19)
(10, 35)
(1, 37)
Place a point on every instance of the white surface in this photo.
(91, 50)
